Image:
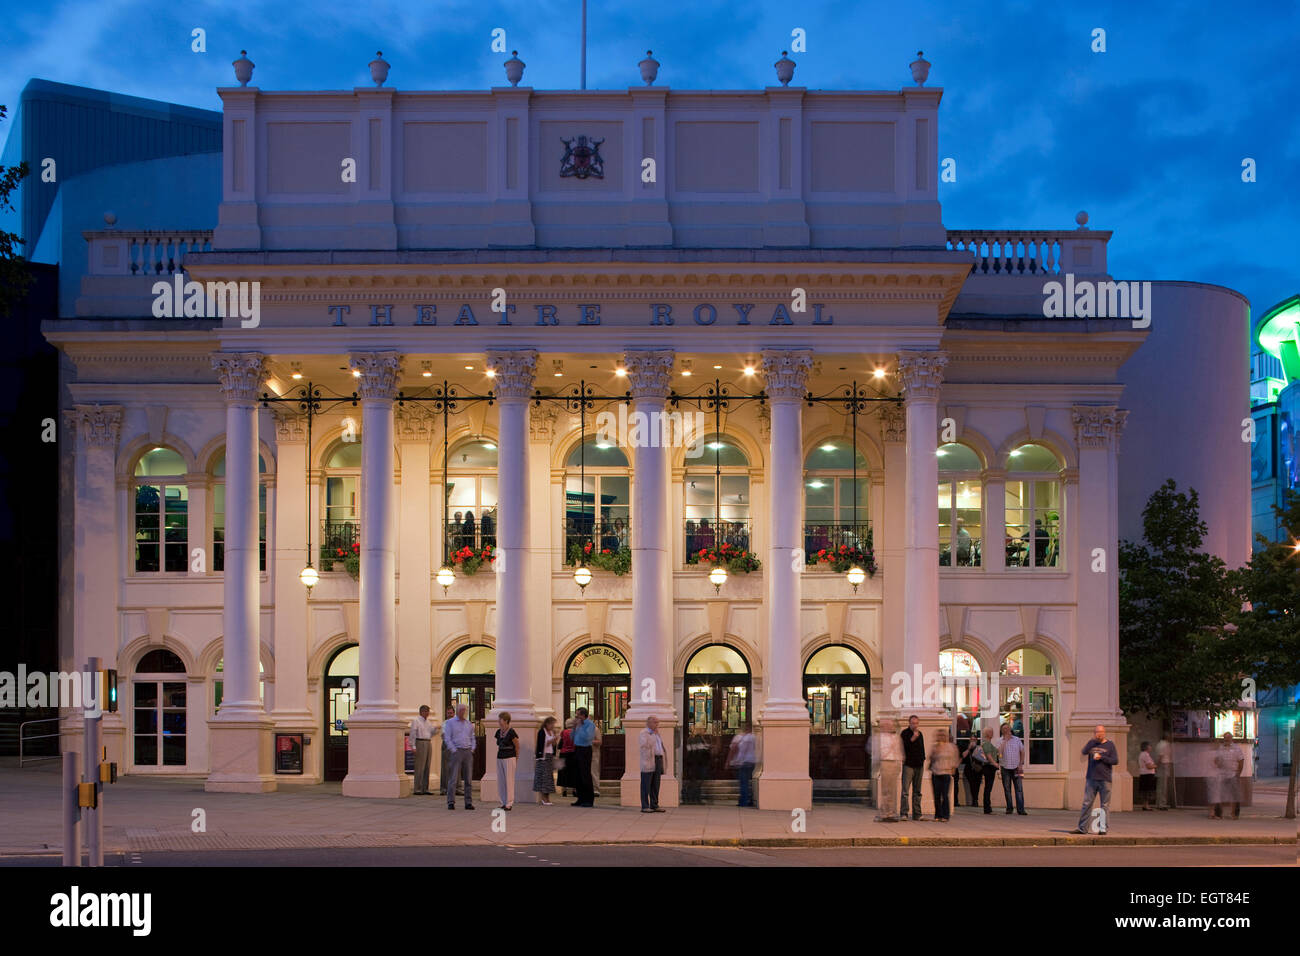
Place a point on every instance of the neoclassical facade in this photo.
(812, 373)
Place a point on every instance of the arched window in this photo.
(341, 526)
(1027, 700)
(1033, 508)
(961, 499)
(472, 495)
(219, 515)
(158, 718)
(596, 513)
(828, 498)
(716, 499)
(162, 502)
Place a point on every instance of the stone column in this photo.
(94, 601)
(890, 540)
(376, 755)
(920, 375)
(1095, 547)
(415, 556)
(516, 614)
(782, 780)
(292, 712)
(239, 737)
(649, 375)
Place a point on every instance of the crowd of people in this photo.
(564, 760)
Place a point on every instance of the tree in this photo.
(1174, 600)
(14, 277)
(1269, 623)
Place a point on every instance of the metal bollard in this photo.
(71, 812)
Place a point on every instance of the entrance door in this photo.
(478, 697)
(716, 705)
(597, 678)
(837, 689)
(341, 685)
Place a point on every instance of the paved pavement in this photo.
(152, 814)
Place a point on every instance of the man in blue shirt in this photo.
(458, 735)
(584, 732)
(1101, 756)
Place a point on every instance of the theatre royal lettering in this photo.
(588, 313)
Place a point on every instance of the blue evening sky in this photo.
(1148, 137)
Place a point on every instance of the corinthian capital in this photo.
(650, 374)
(1097, 426)
(921, 373)
(241, 375)
(786, 372)
(97, 425)
(379, 374)
(514, 372)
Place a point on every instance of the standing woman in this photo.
(567, 760)
(544, 767)
(507, 758)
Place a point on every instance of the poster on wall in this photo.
(288, 753)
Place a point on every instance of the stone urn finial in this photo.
(649, 68)
(243, 68)
(379, 68)
(784, 69)
(920, 68)
(1081, 218)
(514, 68)
(110, 219)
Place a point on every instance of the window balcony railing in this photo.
(703, 535)
(598, 544)
(822, 542)
(475, 533)
(339, 540)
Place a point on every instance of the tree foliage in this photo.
(14, 275)
(1174, 600)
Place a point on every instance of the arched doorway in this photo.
(158, 710)
(597, 677)
(837, 689)
(471, 680)
(717, 698)
(341, 685)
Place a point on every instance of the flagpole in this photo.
(584, 44)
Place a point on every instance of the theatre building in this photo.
(648, 401)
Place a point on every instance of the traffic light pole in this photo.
(71, 812)
(94, 816)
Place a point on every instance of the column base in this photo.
(239, 756)
(781, 781)
(376, 758)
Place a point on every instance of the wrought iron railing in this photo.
(820, 536)
(589, 540)
(470, 531)
(339, 540)
(705, 534)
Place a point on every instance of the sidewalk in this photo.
(152, 813)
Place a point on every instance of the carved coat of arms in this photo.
(582, 159)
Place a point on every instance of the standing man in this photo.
(584, 732)
(1166, 796)
(889, 754)
(743, 758)
(1011, 757)
(651, 747)
(913, 766)
(461, 742)
(442, 780)
(1101, 756)
(595, 758)
(989, 767)
(422, 732)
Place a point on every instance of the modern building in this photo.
(713, 327)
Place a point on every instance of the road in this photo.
(673, 856)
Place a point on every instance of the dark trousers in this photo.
(586, 790)
(973, 784)
(1010, 778)
(989, 773)
(940, 782)
(912, 783)
(744, 773)
(650, 785)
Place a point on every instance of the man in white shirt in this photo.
(889, 764)
(421, 733)
(652, 754)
